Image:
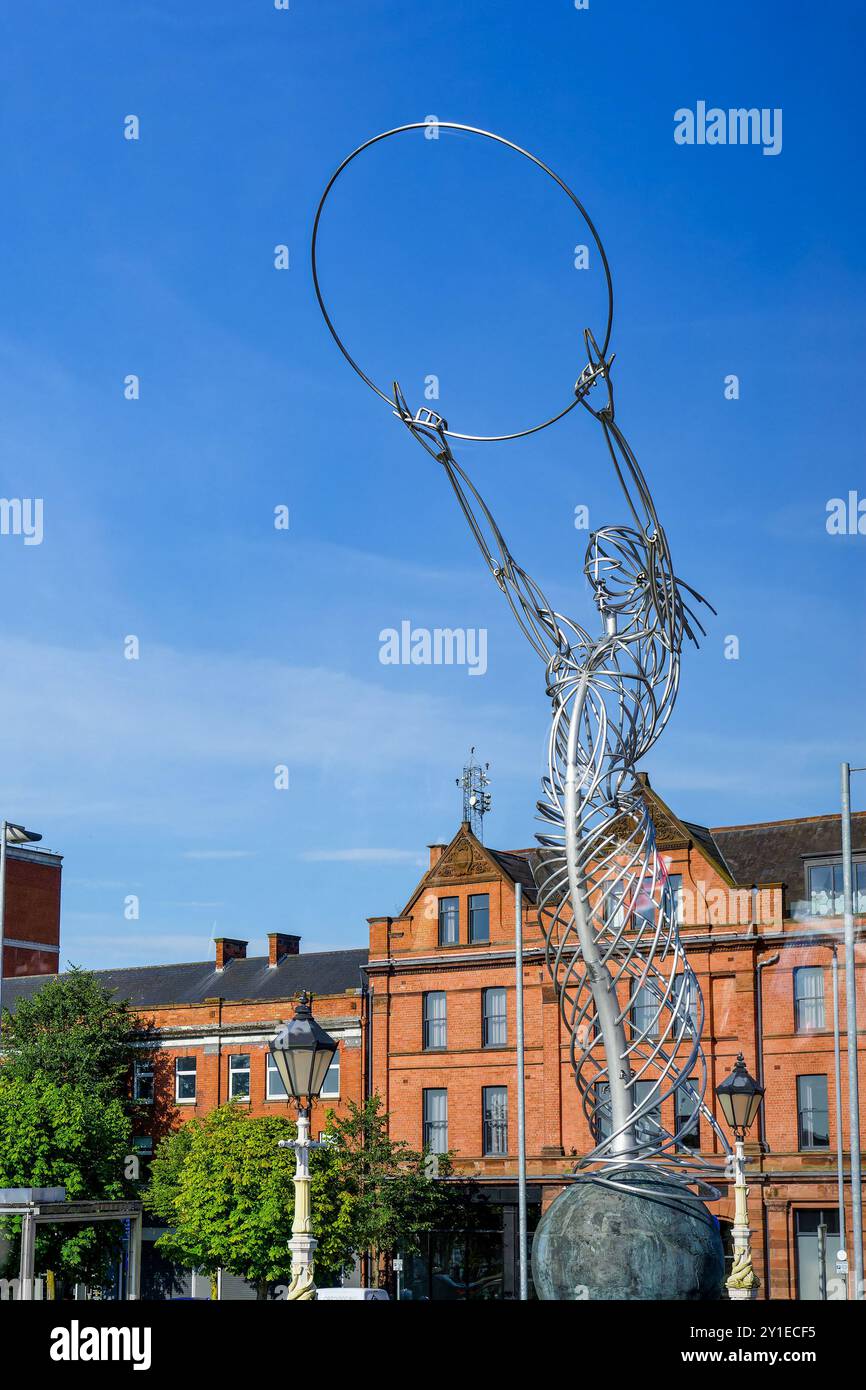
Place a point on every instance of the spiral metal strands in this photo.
(630, 1002)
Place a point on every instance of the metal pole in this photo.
(741, 1282)
(133, 1270)
(523, 1251)
(822, 1261)
(837, 1070)
(28, 1253)
(3, 832)
(303, 1242)
(851, 1011)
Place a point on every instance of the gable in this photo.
(465, 860)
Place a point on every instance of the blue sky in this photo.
(261, 647)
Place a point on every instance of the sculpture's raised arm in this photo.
(541, 625)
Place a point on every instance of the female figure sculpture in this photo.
(629, 1000)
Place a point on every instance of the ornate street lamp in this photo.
(740, 1097)
(302, 1053)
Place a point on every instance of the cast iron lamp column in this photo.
(740, 1097)
(303, 1053)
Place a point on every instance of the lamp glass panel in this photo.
(321, 1063)
(300, 1063)
(280, 1057)
(755, 1101)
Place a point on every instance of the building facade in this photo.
(760, 909)
(425, 1017)
(31, 943)
(205, 1032)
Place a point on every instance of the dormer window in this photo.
(825, 888)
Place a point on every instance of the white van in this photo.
(356, 1295)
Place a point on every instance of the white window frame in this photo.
(830, 910)
(334, 1067)
(186, 1070)
(272, 1071)
(248, 1069)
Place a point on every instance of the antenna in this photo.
(476, 799)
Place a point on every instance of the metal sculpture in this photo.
(630, 1001)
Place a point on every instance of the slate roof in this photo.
(768, 852)
(149, 986)
(777, 851)
(706, 841)
(517, 863)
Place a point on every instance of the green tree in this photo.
(54, 1135)
(73, 1031)
(372, 1193)
(225, 1188)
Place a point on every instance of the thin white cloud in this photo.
(218, 854)
(193, 904)
(362, 856)
(182, 739)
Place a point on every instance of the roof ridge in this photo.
(180, 964)
(793, 820)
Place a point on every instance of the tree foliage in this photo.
(72, 1032)
(60, 1135)
(67, 1054)
(225, 1188)
(371, 1192)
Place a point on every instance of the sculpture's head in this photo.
(633, 581)
(617, 566)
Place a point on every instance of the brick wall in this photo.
(32, 913)
(727, 931)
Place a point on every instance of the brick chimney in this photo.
(436, 852)
(229, 948)
(281, 945)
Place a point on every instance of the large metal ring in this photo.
(500, 140)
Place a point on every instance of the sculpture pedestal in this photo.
(598, 1241)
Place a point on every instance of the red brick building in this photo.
(32, 911)
(426, 1018)
(757, 909)
(206, 1028)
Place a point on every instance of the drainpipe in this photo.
(367, 1026)
(762, 1121)
(759, 1049)
(837, 1069)
(367, 1042)
(219, 1057)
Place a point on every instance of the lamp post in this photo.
(740, 1097)
(10, 834)
(302, 1052)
